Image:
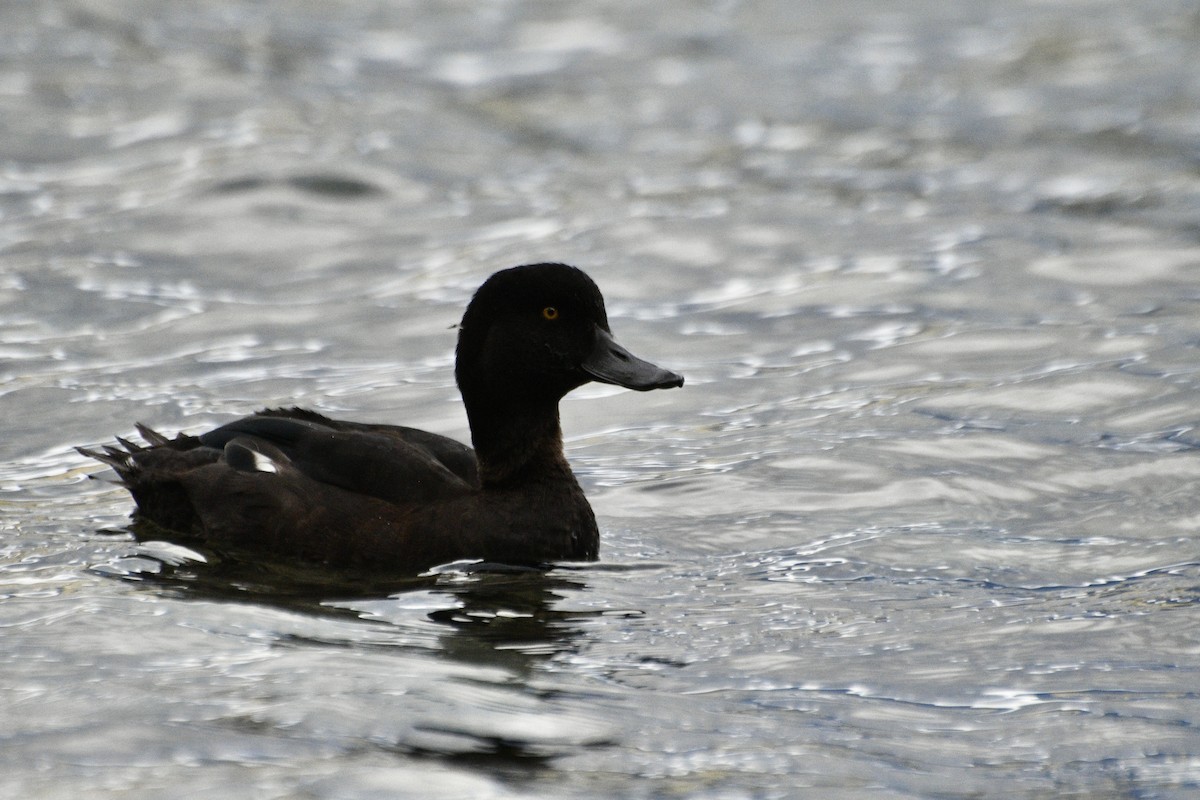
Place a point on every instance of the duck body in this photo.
(293, 484)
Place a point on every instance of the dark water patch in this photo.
(322, 185)
(337, 187)
(248, 183)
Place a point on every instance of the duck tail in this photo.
(125, 455)
(152, 437)
(120, 460)
(156, 474)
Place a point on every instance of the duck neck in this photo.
(516, 441)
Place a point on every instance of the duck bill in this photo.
(610, 363)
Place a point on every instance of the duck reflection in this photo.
(474, 613)
(507, 613)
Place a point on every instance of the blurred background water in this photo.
(923, 522)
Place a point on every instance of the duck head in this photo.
(535, 332)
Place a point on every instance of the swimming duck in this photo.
(293, 484)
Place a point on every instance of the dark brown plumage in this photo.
(292, 484)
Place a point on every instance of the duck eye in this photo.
(550, 313)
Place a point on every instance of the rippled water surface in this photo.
(922, 523)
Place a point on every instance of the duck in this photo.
(291, 484)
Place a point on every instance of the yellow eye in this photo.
(550, 313)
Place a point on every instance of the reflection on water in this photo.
(480, 608)
(487, 628)
(922, 523)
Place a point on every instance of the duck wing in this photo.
(453, 455)
(392, 463)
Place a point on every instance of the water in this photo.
(922, 523)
